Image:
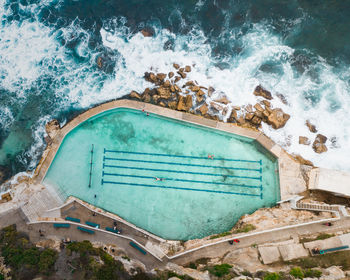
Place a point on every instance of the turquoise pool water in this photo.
(194, 196)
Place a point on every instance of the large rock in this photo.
(185, 103)
(151, 77)
(164, 92)
(135, 95)
(52, 127)
(277, 118)
(260, 91)
(319, 144)
(176, 66)
(333, 272)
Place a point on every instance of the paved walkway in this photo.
(249, 239)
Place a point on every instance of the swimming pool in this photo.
(155, 172)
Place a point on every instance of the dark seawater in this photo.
(48, 53)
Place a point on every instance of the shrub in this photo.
(297, 272)
(220, 269)
(312, 273)
(220, 235)
(47, 260)
(192, 265)
(323, 236)
(245, 228)
(272, 276)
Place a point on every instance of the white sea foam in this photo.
(238, 82)
(29, 50)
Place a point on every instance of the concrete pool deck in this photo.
(291, 180)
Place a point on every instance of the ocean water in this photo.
(197, 196)
(48, 53)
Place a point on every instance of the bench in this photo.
(133, 244)
(91, 224)
(86, 230)
(333, 249)
(113, 230)
(58, 225)
(72, 219)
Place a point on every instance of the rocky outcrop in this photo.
(260, 91)
(277, 118)
(303, 140)
(311, 127)
(319, 144)
(52, 127)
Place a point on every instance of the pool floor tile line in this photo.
(180, 180)
(181, 172)
(183, 164)
(178, 188)
(179, 156)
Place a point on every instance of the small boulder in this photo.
(155, 98)
(172, 104)
(233, 117)
(199, 98)
(319, 144)
(248, 116)
(277, 119)
(166, 83)
(195, 88)
(260, 91)
(176, 66)
(99, 62)
(203, 109)
(147, 32)
(52, 127)
(210, 91)
(200, 93)
(177, 78)
(151, 77)
(164, 92)
(304, 140)
(237, 108)
(170, 75)
(135, 95)
(311, 127)
(256, 120)
(223, 100)
(258, 107)
(161, 76)
(146, 98)
(177, 88)
(216, 107)
(190, 84)
(266, 103)
(182, 74)
(185, 103)
(187, 68)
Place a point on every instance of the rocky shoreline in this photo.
(175, 90)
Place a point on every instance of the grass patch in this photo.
(220, 269)
(220, 235)
(321, 236)
(300, 273)
(244, 228)
(272, 276)
(341, 258)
